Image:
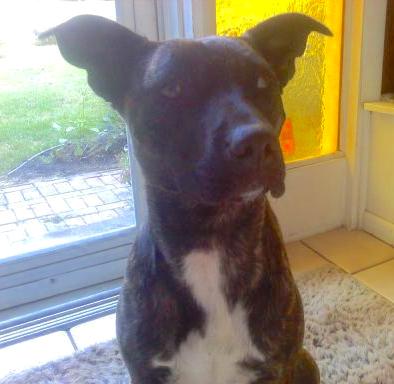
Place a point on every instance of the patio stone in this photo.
(92, 200)
(74, 222)
(78, 183)
(55, 227)
(94, 182)
(63, 187)
(7, 217)
(34, 228)
(76, 203)
(14, 197)
(31, 194)
(118, 204)
(7, 227)
(3, 200)
(106, 215)
(24, 213)
(108, 179)
(58, 204)
(16, 188)
(41, 209)
(124, 193)
(108, 196)
(46, 188)
(16, 235)
(87, 211)
(93, 218)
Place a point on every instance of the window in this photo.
(311, 128)
(69, 198)
(64, 163)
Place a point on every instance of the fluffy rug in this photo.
(349, 330)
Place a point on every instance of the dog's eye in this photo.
(171, 91)
(261, 83)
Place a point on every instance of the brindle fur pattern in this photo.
(186, 103)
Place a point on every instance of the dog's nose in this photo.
(251, 142)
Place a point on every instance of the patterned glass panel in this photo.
(311, 98)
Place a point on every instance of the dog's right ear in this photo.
(108, 51)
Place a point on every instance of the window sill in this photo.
(386, 107)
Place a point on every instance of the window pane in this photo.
(311, 98)
(64, 167)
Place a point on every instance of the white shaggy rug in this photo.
(349, 330)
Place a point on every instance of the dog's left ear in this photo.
(110, 53)
(281, 39)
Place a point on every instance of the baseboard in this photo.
(378, 227)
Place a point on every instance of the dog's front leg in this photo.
(304, 369)
(154, 315)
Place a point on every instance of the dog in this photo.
(208, 296)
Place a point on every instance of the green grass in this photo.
(43, 103)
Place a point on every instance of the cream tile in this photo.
(93, 332)
(31, 353)
(380, 279)
(351, 250)
(303, 259)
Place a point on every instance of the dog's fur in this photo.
(208, 296)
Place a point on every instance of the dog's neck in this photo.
(180, 225)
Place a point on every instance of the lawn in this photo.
(44, 102)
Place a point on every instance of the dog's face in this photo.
(205, 115)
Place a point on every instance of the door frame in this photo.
(300, 212)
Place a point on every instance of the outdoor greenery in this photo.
(45, 102)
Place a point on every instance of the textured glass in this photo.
(311, 98)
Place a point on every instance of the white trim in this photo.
(43, 305)
(314, 160)
(386, 107)
(379, 227)
(204, 17)
(363, 41)
(125, 13)
(145, 16)
(65, 282)
(52, 270)
(314, 201)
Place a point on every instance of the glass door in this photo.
(64, 161)
(317, 168)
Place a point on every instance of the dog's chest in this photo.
(217, 354)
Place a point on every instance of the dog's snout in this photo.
(251, 142)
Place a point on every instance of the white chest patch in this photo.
(214, 356)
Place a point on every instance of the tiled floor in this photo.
(368, 259)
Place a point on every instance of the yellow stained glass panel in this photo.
(311, 98)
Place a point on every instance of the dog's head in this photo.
(205, 115)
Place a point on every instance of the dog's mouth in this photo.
(273, 185)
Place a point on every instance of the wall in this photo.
(378, 217)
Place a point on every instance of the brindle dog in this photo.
(208, 296)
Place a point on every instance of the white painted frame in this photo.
(372, 53)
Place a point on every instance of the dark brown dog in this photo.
(208, 296)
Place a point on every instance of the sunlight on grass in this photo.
(43, 105)
(43, 101)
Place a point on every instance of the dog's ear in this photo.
(281, 39)
(108, 51)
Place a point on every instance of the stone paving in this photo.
(41, 209)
